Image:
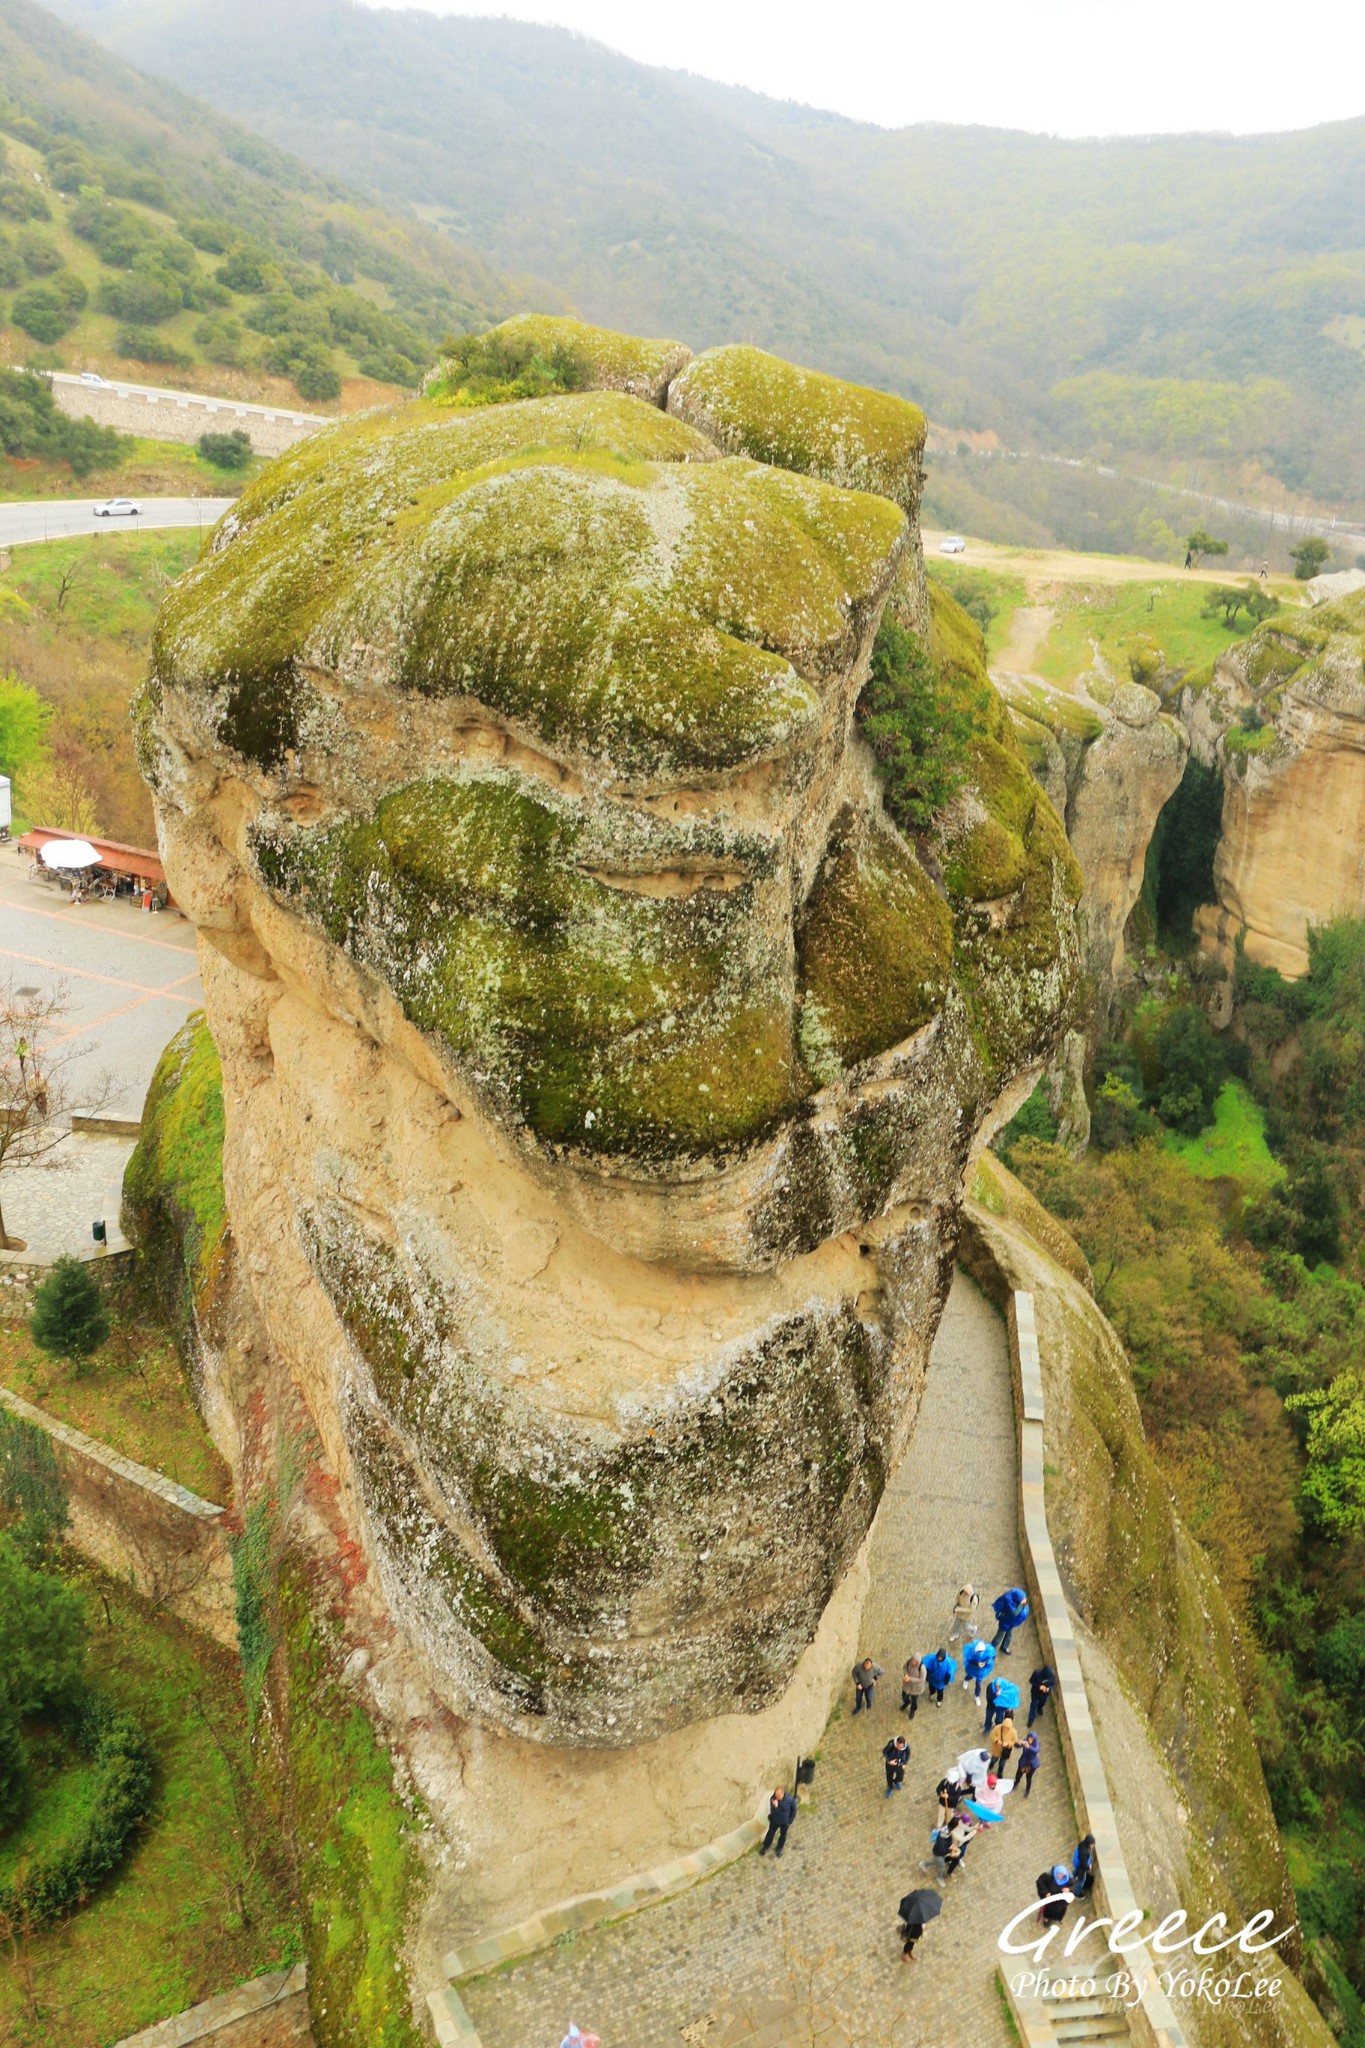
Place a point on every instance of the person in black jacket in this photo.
(1042, 1683)
(781, 1814)
(896, 1756)
(1054, 1889)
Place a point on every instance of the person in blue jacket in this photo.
(1011, 1612)
(978, 1661)
(939, 1670)
(1002, 1698)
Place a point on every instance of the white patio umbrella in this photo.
(69, 853)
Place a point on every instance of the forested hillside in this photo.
(1191, 307)
(141, 231)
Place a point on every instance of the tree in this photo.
(1227, 599)
(42, 1636)
(1310, 557)
(1334, 1484)
(1192, 1065)
(24, 719)
(69, 1319)
(1198, 544)
(40, 1068)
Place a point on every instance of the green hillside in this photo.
(1188, 307)
(140, 232)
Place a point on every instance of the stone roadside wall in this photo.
(270, 2012)
(183, 416)
(163, 1539)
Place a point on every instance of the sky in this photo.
(1061, 67)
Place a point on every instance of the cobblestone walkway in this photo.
(52, 1203)
(816, 1933)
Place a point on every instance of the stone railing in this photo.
(159, 1537)
(1153, 2021)
(269, 2012)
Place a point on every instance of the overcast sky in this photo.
(1066, 67)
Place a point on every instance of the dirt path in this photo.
(1028, 629)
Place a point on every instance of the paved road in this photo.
(816, 1933)
(46, 519)
(131, 979)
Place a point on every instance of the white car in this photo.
(952, 544)
(93, 377)
(117, 508)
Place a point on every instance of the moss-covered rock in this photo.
(580, 357)
(174, 1212)
(751, 403)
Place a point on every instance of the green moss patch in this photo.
(533, 353)
(173, 1205)
(874, 954)
(754, 404)
(359, 1865)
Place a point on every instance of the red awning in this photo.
(135, 861)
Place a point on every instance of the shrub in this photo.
(69, 1318)
(145, 345)
(491, 369)
(42, 1637)
(212, 236)
(14, 1771)
(246, 270)
(30, 424)
(1033, 1119)
(149, 293)
(917, 733)
(226, 451)
(31, 1490)
(39, 253)
(315, 375)
(43, 312)
(1192, 1065)
(120, 1799)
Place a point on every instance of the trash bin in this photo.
(98, 1231)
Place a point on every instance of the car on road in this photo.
(952, 544)
(93, 377)
(117, 508)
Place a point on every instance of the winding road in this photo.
(40, 519)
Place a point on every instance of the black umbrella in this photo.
(918, 1908)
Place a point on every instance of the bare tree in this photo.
(40, 1080)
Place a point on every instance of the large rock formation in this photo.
(601, 1065)
(1282, 714)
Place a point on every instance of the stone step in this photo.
(1077, 2030)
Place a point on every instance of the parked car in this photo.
(93, 377)
(952, 544)
(117, 508)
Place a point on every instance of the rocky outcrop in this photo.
(1282, 715)
(601, 1066)
(1110, 758)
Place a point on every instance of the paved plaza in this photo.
(130, 980)
(807, 1950)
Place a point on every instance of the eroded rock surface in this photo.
(1283, 716)
(601, 1064)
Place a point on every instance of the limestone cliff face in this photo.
(1283, 716)
(600, 1064)
(1110, 758)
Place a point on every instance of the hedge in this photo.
(122, 1797)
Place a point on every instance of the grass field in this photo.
(204, 1900)
(132, 1395)
(115, 581)
(1234, 1146)
(165, 469)
(1100, 619)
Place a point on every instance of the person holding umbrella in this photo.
(1011, 1612)
(916, 1910)
(988, 1801)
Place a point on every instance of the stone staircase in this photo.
(1076, 2021)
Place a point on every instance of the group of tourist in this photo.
(972, 1791)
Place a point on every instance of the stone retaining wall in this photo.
(270, 2012)
(163, 1539)
(182, 416)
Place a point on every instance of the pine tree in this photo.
(69, 1319)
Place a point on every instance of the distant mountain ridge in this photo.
(1178, 298)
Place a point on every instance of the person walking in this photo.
(896, 1755)
(1011, 1611)
(978, 1661)
(1002, 1742)
(781, 1814)
(865, 1676)
(965, 1606)
(1030, 1756)
(1083, 1867)
(1002, 1697)
(1053, 1889)
(916, 1909)
(992, 1795)
(939, 1671)
(1041, 1685)
(913, 1682)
